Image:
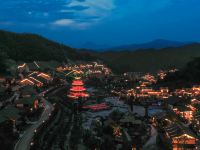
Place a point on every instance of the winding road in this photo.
(25, 141)
(152, 139)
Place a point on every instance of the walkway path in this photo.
(152, 139)
(25, 140)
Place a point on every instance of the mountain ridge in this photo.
(149, 60)
(31, 47)
(156, 44)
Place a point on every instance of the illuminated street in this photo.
(25, 141)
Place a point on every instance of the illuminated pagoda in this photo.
(77, 90)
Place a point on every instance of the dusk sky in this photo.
(109, 22)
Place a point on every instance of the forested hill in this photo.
(150, 59)
(186, 77)
(30, 47)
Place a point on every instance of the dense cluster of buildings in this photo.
(88, 69)
(180, 122)
(186, 106)
(20, 100)
(182, 105)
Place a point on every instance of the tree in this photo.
(116, 115)
(3, 58)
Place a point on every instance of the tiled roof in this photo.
(176, 130)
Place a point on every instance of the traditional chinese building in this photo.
(37, 79)
(77, 89)
(180, 138)
(184, 112)
(97, 107)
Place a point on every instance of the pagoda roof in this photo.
(77, 82)
(77, 95)
(77, 89)
(35, 80)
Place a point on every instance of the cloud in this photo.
(71, 23)
(94, 7)
(99, 4)
(78, 7)
(84, 10)
(85, 13)
(74, 13)
(64, 22)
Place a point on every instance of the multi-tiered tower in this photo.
(77, 89)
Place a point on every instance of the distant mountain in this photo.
(150, 59)
(156, 44)
(94, 46)
(30, 47)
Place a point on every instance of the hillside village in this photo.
(101, 109)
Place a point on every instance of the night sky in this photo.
(105, 22)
